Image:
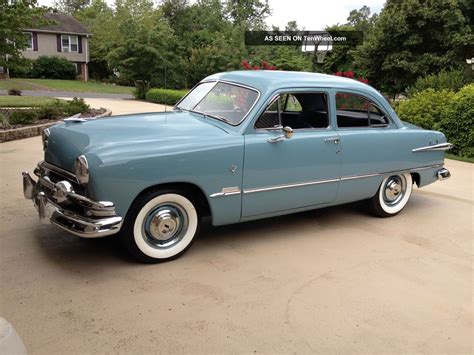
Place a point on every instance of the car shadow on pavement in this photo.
(65, 249)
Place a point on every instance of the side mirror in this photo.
(288, 132)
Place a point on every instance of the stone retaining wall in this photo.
(32, 131)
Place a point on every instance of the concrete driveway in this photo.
(327, 281)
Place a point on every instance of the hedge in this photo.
(452, 80)
(165, 96)
(451, 113)
(457, 122)
(425, 109)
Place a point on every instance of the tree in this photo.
(98, 17)
(341, 57)
(361, 20)
(16, 16)
(71, 6)
(143, 48)
(250, 13)
(415, 38)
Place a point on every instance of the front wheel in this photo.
(392, 196)
(160, 226)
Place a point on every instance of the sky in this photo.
(310, 14)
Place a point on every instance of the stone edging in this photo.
(32, 131)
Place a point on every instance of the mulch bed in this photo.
(6, 112)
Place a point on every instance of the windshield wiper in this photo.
(220, 118)
(217, 117)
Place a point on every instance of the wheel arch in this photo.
(193, 191)
(416, 178)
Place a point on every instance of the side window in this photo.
(357, 111)
(297, 110)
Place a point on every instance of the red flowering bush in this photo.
(351, 75)
(263, 65)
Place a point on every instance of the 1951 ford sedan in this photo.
(239, 146)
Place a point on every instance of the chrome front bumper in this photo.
(57, 203)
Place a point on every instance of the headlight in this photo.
(45, 136)
(81, 169)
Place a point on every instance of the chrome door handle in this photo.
(332, 139)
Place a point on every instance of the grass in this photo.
(464, 159)
(25, 101)
(63, 85)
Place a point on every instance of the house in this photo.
(64, 37)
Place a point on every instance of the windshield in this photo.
(226, 102)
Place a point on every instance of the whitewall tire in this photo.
(160, 226)
(392, 195)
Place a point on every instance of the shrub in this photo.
(76, 105)
(51, 111)
(14, 92)
(3, 121)
(425, 109)
(53, 68)
(458, 122)
(23, 117)
(21, 68)
(141, 89)
(446, 80)
(165, 96)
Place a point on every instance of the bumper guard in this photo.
(57, 203)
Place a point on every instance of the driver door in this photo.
(290, 173)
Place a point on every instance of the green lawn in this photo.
(63, 85)
(25, 101)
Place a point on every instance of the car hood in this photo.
(124, 136)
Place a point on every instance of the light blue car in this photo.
(239, 146)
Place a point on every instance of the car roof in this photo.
(266, 80)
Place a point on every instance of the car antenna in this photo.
(166, 106)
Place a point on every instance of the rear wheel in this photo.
(161, 225)
(392, 196)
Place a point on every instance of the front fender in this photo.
(120, 178)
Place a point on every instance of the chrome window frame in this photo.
(295, 130)
(389, 125)
(259, 94)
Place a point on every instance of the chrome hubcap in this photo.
(165, 225)
(394, 190)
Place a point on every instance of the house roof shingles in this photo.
(62, 23)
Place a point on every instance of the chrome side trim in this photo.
(227, 191)
(362, 176)
(343, 178)
(286, 186)
(441, 146)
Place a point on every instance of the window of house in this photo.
(29, 41)
(358, 111)
(69, 43)
(296, 110)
